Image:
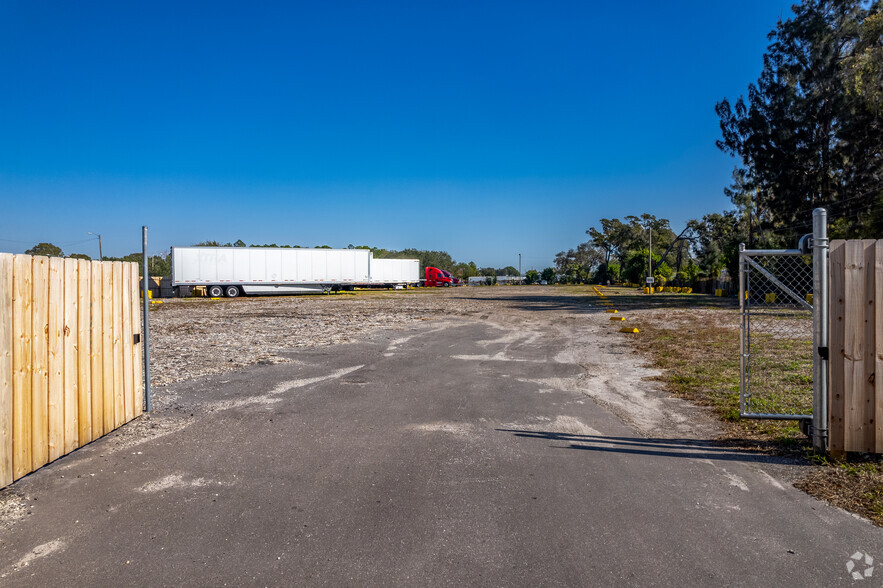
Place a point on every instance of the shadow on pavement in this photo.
(656, 447)
(590, 304)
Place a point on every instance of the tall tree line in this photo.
(810, 132)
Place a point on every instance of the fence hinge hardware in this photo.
(823, 353)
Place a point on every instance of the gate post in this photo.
(820, 329)
(146, 326)
(743, 332)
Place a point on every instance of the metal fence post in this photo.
(145, 299)
(820, 329)
(743, 343)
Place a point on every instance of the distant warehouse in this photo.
(502, 280)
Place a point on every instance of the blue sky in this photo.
(485, 129)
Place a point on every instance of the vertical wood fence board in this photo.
(95, 350)
(867, 330)
(107, 344)
(71, 407)
(21, 360)
(56, 358)
(40, 363)
(853, 352)
(5, 369)
(837, 259)
(84, 353)
(119, 409)
(137, 350)
(876, 348)
(128, 379)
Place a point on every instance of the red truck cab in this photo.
(436, 277)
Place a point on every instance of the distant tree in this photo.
(159, 265)
(211, 244)
(45, 249)
(322, 247)
(548, 275)
(662, 273)
(635, 268)
(464, 271)
(532, 276)
(239, 243)
(80, 256)
(508, 271)
(717, 242)
(689, 273)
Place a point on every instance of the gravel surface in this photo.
(197, 337)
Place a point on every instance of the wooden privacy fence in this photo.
(70, 356)
(855, 343)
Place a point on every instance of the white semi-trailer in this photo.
(231, 271)
(395, 272)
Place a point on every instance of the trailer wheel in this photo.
(232, 291)
(215, 291)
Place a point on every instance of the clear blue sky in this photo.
(485, 129)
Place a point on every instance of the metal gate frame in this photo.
(815, 424)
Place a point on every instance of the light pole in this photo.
(100, 255)
(650, 259)
(519, 265)
(650, 252)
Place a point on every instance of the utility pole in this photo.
(519, 265)
(100, 255)
(649, 280)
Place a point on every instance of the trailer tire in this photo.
(215, 291)
(232, 291)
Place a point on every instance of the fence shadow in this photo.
(657, 447)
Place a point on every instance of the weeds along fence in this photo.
(70, 356)
(855, 343)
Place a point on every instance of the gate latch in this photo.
(823, 353)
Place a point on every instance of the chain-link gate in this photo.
(783, 299)
(776, 287)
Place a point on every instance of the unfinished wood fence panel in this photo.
(107, 345)
(70, 356)
(137, 349)
(856, 346)
(70, 367)
(6, 338)
(119, 410)
(84, 353)
(56, 358)
(96, 368)
(22, 297)
(40, 363)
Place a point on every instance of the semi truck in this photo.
(232, 271)
(434, 277)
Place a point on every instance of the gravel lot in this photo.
(197, 337)
(191, 338)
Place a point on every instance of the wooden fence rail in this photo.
(855, 343)
(70, 356)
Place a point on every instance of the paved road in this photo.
(444, 459)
